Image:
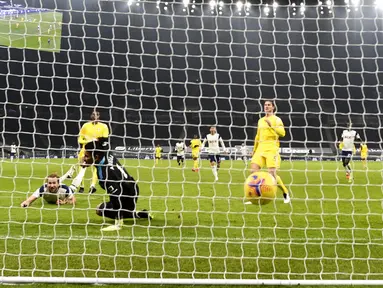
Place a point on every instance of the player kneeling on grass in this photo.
(122, 188)
(53, 192)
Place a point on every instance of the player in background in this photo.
(120, 185)
(90, 131)
(244, 153)
(52, 186)
(13, 151)
(180, 149)
(158, 153)
(364, 154)
(49, 41)
(266, 145)
(195, 145)
(214, 139)
(348, 138)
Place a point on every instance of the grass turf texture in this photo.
(332, 230)
(18, 33)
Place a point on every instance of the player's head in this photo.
(95, 116)
(53, 182)
(158, 145)
(269, 107)
(95, 151)
(195, 136)
(213, 130)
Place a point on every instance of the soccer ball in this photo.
(260, 188)
(52, 198)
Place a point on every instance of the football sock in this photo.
(281, 185)
(214, 169)
(79, 178)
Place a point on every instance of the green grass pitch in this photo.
(22, 32)
(332, 230)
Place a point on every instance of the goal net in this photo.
(159, 73)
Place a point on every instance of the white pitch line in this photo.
(186, 238)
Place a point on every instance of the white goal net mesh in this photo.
(162, 72)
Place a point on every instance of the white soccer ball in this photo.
(52, 198)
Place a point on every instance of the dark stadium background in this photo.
(144, 70)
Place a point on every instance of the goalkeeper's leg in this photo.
(273, 163)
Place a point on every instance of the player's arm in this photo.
(33, 197)
(222, 144)
(82, 138)
(70, 199)
(203, 143)
(256, 142)
(105, 132)
(279, 128)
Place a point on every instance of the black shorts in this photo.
(346, 154)
(13, 154)
(158, 157)
(179, 158)
(215, 158)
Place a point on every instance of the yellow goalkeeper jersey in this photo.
(267, 138)
(90, 131)
(195, 144)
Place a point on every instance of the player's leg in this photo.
(364, 160)
(157, 158)
(195, 157)
(218, 160)
(78, 181)
(273, 163)
(92, 188)
(345, 161)
(213, 166)
(68, 174)
(179, 160)
(182, 160)
(12, 156)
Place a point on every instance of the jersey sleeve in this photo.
(69, 193)
(82, 139)
(39, 192)
(342, 134)
(280, 128)
(256, 140)
(204, 142)
(105, 132)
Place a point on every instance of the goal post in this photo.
(162, 72)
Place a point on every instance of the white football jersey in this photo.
(13, 149)
(62, 192)
(180, 149)
(244, 151)
(348, 139)
(213, 143)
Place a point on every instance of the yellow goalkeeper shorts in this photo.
(268, 159)
(195, 154)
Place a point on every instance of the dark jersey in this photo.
(114, 178)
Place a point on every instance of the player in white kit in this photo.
(180, 149)
(244, 153)
(13, 151)
(214, 139)
(348, 139)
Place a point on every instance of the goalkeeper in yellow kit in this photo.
(266, 146)
(195, 145)
(89, 132)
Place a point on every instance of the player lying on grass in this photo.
(53, 192)
(122, 188)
